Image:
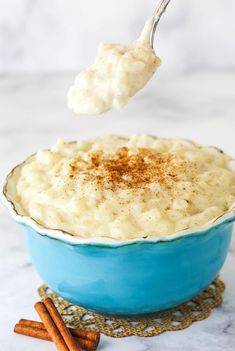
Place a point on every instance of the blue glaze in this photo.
(132, 279)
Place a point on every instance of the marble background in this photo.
(54, 35)
(192, 96)
(33, 115)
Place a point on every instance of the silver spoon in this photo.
(161, 8)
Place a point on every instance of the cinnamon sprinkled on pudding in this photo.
(131, 169)
(124, 188)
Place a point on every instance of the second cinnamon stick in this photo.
(51, 327)
(56, 317)
(29, 329)
(32, 331)
(88, 335)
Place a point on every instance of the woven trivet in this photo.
(177, 318)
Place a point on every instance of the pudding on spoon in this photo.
(118, 73)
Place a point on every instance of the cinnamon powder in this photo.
(132, 169)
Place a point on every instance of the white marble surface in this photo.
(59, 34)
(33, 115)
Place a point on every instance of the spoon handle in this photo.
(161, 8)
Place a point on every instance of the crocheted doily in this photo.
(177, 318)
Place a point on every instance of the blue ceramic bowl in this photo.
(132, 277)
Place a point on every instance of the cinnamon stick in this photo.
(29, 329)
(58, 321)
(85, 344)
(31, 323)
(88, 335)
(32, 331)
(51, 327)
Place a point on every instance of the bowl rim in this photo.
(69, 238)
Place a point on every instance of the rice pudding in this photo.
(118, 73)
(124, 187)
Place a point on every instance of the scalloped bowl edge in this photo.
(69, 238)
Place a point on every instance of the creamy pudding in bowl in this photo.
(125, 225)
(124, 188)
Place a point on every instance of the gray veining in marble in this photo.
(38, 35)
(33, 114)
